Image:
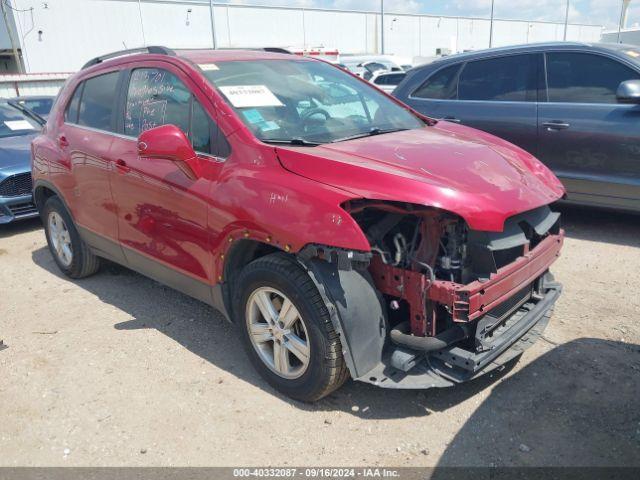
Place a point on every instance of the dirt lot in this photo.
(119, 370)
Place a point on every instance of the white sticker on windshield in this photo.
(251, 96)
(19, 125)
(208, 67)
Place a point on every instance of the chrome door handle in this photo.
(556, 125)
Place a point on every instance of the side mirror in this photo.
(629, 91)
(166, 141)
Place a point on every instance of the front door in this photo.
(589, 140)
(162, 210)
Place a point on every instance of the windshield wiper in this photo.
(29, 113)
(370, 133)
(293, 141)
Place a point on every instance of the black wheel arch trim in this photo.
(40, 183)
(356, 311)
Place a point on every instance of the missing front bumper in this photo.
(455, 364)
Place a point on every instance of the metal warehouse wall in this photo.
(630, 36)
(60, 35)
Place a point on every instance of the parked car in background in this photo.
(40, 105)
(366, 65)
(572, 105)
(343, 233)
(387, 81)
(17, 129)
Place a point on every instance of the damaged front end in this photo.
(448, 303)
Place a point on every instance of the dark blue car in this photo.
(17, 128)
(572, 105)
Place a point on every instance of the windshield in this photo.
(13, 122)
(305, 101)
(41, 106)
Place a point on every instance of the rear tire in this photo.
(298, 353)
(70, 252)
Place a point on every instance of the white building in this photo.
(60, 35)
(629, 35)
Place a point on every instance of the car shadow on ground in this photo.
(22, 226)
(205, 332)
(599, 225)
(576, 405)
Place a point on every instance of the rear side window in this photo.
(390, 79)
(71, 113)
(98, 101)
(505, 79)
(442, 85)
(157, 97)
(584, 77)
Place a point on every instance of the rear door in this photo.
(589, 140)
(85, 139)
(497, 95)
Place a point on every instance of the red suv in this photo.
(344, 233)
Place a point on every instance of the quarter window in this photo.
(201, 129)
(71, 114)
(98, 101)
(584, 78)
(443, 85)
(511, 78)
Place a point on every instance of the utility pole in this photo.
(11, 38)
(566, 21)
(623, 16)
(382, 26)
(213, 24)
(491, 25)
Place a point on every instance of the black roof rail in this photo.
(158, 50)
(276, 50)
(259, 49)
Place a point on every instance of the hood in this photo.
(470, 173)
(15, 153)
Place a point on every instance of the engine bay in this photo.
(436, 274)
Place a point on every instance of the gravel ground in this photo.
(118, 370)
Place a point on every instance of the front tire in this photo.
(70, 252)
(286, 329)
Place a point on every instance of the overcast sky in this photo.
(599, 12)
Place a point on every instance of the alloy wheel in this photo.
(60, 238)
(277, 332)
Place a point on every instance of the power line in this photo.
(7, 4)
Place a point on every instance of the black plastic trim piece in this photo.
(345, 259)
(102, 246)
(168, 276)
(356, 311)
(473, 362)
(447, 367)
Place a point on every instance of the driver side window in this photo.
(157, 97)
